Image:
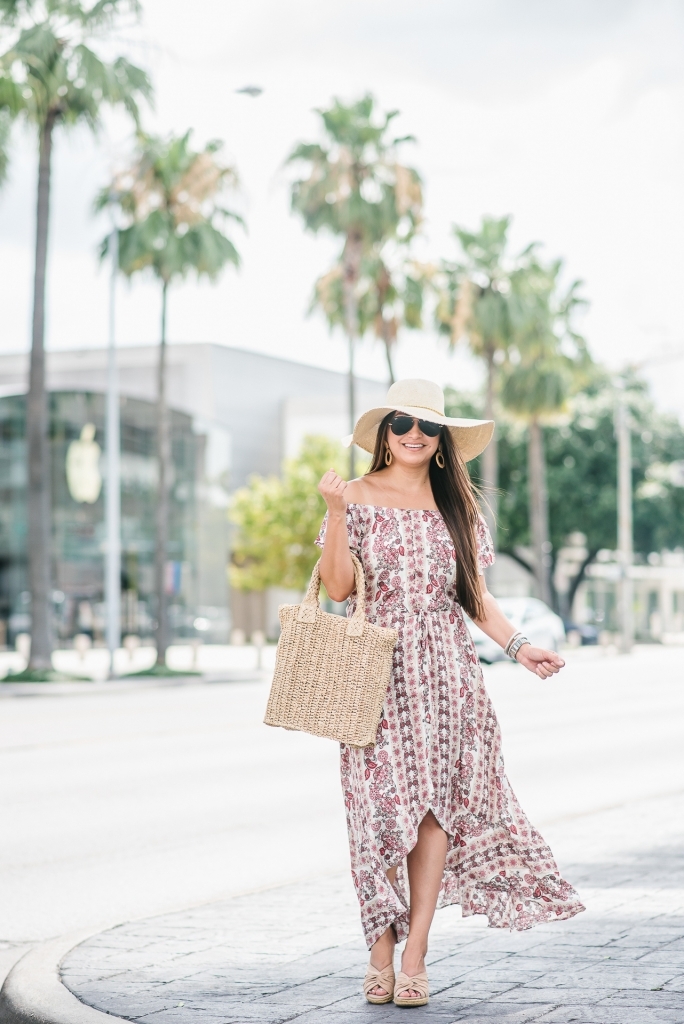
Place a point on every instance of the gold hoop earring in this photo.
(388, 455)
(439, 458)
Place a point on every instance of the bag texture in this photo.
(331, 673)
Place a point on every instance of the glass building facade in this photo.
(198, 534)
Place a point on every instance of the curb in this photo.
(127, 683)
(33, 992)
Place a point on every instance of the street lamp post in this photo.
(625, 528)
(113, 479)
(623, 432)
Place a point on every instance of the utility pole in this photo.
(113, 480)
(623, 433)
(625, 531)
(353, 250)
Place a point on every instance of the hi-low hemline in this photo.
(438, 744)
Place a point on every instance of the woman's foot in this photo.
(382, 959)
(379, 985)
(412, 968)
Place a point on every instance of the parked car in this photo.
(585, 632)
(535, 619)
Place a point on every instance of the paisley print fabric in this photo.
(438, 745)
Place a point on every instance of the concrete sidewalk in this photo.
(295, 953)
(143, 801)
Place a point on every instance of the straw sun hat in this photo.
(425, 400)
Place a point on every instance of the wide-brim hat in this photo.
(424, 400)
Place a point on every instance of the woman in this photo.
(431, 816)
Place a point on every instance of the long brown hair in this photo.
(455, 498)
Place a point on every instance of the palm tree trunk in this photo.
(37, 431)
(490, 460)
(352, 262)
(388, 353)
(162, 511)
(539, 509)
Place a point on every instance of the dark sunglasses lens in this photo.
(429, 429)
(401, 425)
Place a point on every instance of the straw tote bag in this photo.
(331, 673)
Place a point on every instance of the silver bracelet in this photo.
(513, 637)
(519, 642)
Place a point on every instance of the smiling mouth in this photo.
(412, 446)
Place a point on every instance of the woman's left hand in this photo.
(542, 663)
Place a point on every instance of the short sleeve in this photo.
(485, 545)
(352, 532)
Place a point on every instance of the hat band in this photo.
(428, 409)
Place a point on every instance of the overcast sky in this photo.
(567, 115)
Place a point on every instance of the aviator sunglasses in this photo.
(402, 424)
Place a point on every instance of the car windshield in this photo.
(513, 608)
(522, 609)
(519, 610)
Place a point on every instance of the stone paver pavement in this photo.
(295, 953)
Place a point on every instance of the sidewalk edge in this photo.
(33, 992)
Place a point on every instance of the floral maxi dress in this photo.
(438, 745)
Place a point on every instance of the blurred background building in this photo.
(234, 413)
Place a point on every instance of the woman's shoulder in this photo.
(358, 492)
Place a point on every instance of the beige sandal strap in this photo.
(418, 983)
(384, 979)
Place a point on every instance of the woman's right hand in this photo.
(332, 487)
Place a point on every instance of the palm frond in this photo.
(104, 12)
(12, 99)
(311, 151)
(10, 11)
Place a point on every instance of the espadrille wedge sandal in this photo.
(379, 979)
(419, 983)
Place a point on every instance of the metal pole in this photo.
(352, 259)
(352, 406)
(625, 532)
(113, 481)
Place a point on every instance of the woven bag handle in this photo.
(311, 602)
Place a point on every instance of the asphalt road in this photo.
(122, 805)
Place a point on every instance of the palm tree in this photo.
(547, 360)
(354, 187)
(51, 76)
(171, 200)
(473, 303)
(395, 297)
(389, 296)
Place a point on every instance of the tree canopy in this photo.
(278, 520)
(171, 198)
(352, 185)
(473, 291)
(547, 359)
(353, 182)
(389, 293)
(52, 73)
(581, 453)
(5, 128)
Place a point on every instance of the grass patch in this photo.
(43, 675)
(160, 672)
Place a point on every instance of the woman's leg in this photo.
(425, 870)
(382, 951)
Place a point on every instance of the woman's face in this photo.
(414, 449)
